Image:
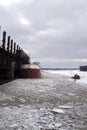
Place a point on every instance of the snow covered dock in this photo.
(53, 102)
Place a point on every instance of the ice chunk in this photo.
(66, 107)
(58, 125)
(71, 94)
(51, 126)
(22, 100)
(56, 110)
(14, 125)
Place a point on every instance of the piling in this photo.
(12, 56)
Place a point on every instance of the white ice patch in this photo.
(22, 100)
(41, 90)
(14, 125)
(54, 125)
(62, 129)
(56, 110)
(51, 126)
(71, 94)
(58, 125)
(66, 107)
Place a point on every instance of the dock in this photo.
(12, 56)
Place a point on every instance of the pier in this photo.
(12, 57)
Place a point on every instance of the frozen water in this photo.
(52, 102)
(70, 73)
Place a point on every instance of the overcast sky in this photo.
(54, 32)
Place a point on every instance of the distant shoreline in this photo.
(59, 68)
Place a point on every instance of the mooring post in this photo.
(4, 39)
(17, 47)
(8, 44)
(3, 50)
(11, 46)
(8, 50)
(14, 48)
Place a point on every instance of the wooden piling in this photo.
(8, 50)
(8, 44)
(11, 58)
(11, 46)
(14, 48)
(4, 40)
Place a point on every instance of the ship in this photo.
(31, 70)
(83, 68)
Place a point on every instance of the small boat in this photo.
(31, 70)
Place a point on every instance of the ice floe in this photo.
(65, 107)
(57, 110)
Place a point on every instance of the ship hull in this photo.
(30, 71)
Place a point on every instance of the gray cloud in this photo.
(52, 31)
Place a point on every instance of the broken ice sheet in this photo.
(57, 110)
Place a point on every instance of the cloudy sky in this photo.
(54, 32)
